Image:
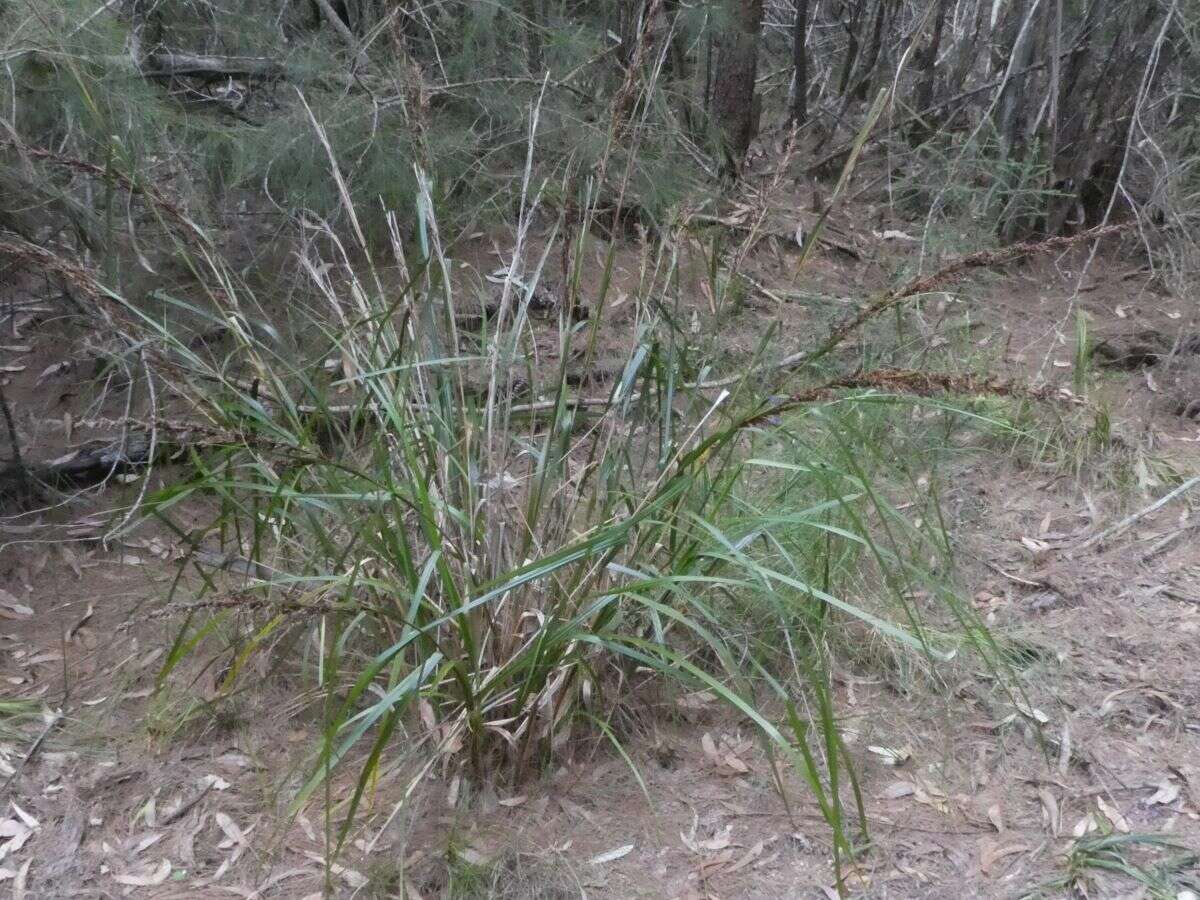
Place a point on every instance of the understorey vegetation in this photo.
(404, 314)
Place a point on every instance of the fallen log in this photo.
(191, 65)
(89, 465)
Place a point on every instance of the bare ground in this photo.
(132, 792)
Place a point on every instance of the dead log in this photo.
(87, 466)
(191, 65)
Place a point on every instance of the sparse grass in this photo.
(489, 578)
(15, 715)
(511, 874)
(971, 193)
(1159, 867)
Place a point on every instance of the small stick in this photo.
(1130, 519)
(187, 806)
(33, 749)
(17, 463)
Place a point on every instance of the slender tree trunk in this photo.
(852, 47)
(862, 86)
(531, 9)
(800, 62)
(929, 63)
(735, 72)
(1012, 98)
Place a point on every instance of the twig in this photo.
(54, 719)
(1133, 517)
(902, 381)
(17, 462)
(187, 806)
(39, 257)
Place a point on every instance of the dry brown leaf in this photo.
(146, 843)
(1167, 793)
(17, 834)
(1086, 825)
(718, 841)
(29, 821)
(214, 782)
(898, 789)
(1064, 748)
(19, 882)
(708, 864)
(994, 816)
(931, 797)
(748, 857)
(892, 756)
(148, 878)
(696, 701)
(732, 762)
(306, 827)
(1114, 815)
(71, 560)
(1031, 712)
(12, 608)
(355, 879)
(611, 855)
(54, 369)
(990, 853)
(1051, 817)
(428, 718)
(231, 829)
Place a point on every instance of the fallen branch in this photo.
(191, 65)
(919, 285)
(1142, 513)
(104, 174)
(246, 602)
(904, 381)
(100, 460)
(83, 468)
(43, 259)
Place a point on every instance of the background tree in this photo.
(735, 103)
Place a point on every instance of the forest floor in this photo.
(129, 795)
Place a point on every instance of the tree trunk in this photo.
(862, 88)
(1011, 106)
(736, 69)
(533, 36)
(929, 62)
(851, 57)
(800, 62)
